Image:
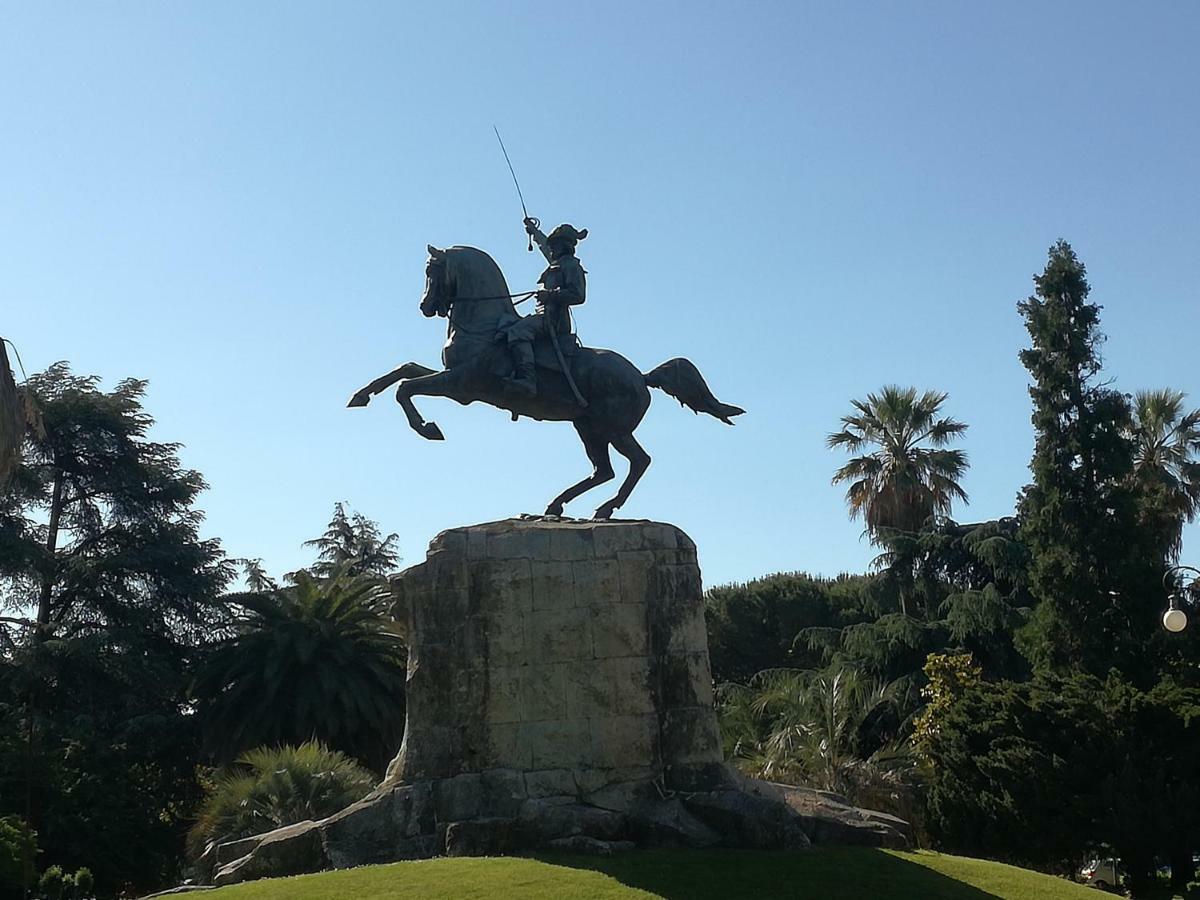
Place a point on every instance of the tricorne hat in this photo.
(566, 232)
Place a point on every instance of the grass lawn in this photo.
(836, 873)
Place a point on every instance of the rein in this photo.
(525, 296)
(451, 323)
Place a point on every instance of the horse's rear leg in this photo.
(639, 462)
(596, 448)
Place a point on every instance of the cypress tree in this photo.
(1094, 571)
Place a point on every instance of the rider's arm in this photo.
(538, 238)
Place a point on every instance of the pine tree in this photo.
(1094, 571)
(353, 544)
(115, 600)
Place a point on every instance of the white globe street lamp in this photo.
(1175, 618)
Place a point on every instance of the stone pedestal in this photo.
(573, 652)
(559, 695)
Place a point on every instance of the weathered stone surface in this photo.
(231, 850)
(294, 850)
(550, 783)
(581, 843)
(559, 695)
(413, 809)
(459, 798)
(625, 796)
(363, 833)
(482, 837)
(748, 820)
(690, 736)
(593, 779)
(503, 792)
(704, 777)
(587, 636)
(669, 824)
(543, 821)
(831, 819)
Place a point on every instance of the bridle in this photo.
(446, 302)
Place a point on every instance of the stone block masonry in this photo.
(558, 695)
(541, 645)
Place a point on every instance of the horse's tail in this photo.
(683, 381)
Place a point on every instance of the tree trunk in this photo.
(50, 573)
(1139, 874)
(1183, 870)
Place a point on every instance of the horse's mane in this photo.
(475, 274)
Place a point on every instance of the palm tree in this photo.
(315, 660)
(809, 727)
(1166, 444)
(18, 416)
(902, 484)
(270, 787)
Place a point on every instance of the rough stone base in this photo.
(559, 697)
(463, 816)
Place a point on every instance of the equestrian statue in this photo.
(534, 366)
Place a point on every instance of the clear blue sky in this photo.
(233, 200)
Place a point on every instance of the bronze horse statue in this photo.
(465, 286)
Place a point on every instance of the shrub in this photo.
(84, 883)
(52, 883)
(18, 846)
(270, 787)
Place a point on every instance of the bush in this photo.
(18, 847)
(1043, 772)
(270, 787)
(52, 884)
(84, 883)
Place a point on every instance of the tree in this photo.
(948, 588)
(1166, 445)
(1096, 570)
(902, 483)
(825, 728)
(115, 599)
(352, 543)
(319, 659)
(753, 626)
(270, 787)
(1042, 772)
(255, 573)
(18, 848)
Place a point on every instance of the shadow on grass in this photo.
(1165, 893)
(835, 873)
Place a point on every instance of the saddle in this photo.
(544, 356)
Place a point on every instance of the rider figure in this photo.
(563, 284)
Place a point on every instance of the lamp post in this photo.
(1185, 594)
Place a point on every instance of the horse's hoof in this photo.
(605, 512)
(362, 398)
(554, 509)
(431, 432)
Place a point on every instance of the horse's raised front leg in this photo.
(639, 461)
(596, 447)
(409, 370)
(448, 383)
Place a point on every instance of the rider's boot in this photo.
(523, 382)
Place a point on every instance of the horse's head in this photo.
(436, 299)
